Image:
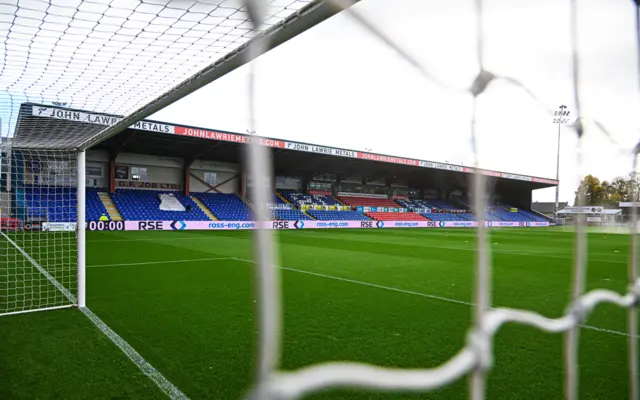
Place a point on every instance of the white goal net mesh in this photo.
(131, 58)
(38, 256)
(115, 56)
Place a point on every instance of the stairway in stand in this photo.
(204, 208)
(283, 198)
(112, 210)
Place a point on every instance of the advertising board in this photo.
(58, 226)
(249, 225)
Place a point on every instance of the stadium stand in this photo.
(505, 215)
(58, 204)
(446, 217)
(338, 215)
(415, 204)
(532, 216)
(431, 203)
(95, 207)
(396, 216)
(522, 215)
(299, 198)
(226, 207)
(463, 202)
(144, 205)
(290, 215)
(445, 205)
(412, 204)
(367, 202)
(50, 203)
(497, 211)
(278, 200)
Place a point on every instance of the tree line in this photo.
(608, 193)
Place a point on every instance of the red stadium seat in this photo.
(397, 216)
(10, 224)
(368, 202)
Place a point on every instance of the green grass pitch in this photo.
(400, 298)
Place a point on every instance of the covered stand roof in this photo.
(190, 143)
(548, 207)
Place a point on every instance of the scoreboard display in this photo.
(105, 225)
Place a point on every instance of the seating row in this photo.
(58, 204)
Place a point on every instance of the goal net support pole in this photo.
(81, 227)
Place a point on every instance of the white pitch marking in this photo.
(532, 253)
(157, 262)
(163, 383)
(446, 299)
(430, 296)
(409, 292)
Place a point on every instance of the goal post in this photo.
(42, 245)
(81, 227)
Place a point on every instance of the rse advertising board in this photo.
(248, 225)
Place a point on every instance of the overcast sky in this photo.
(338, 85)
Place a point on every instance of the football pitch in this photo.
(394, 297)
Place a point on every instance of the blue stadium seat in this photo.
(58, 204)
(297, 199)
(444, 217)
(144, 205)
(226, 207)
(524, 215)
(445, 205)
(278, 200)
(312, 199)
(532, 216)
(466, 216)
(51, 203)
(432, 203)
(291, 215)
(500, 214)
(94, 209)
(338, 215)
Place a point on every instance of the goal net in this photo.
(38, 201)
(134, 58)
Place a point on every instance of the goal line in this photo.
(163, 383)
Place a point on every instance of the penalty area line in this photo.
(163, 383)
(392, 289)
(158, 262)
(409, 292)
